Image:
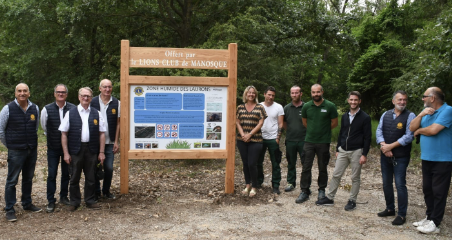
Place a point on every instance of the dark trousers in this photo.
(292, 149)
(322, 150)
(20, 161)
(272, 146)
(436, 178)
(86, 161)
(395, 168)
(53, 160)
(249, 152)
(108, 170)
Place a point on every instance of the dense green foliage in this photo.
(375, 47)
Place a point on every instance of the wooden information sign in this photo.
(174, 117)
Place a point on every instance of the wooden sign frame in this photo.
(140, 57)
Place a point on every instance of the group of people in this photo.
(80, 137)
(308, 133)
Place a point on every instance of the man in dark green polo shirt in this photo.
(295, 134)
(319, 117)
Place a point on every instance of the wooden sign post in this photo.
(155, 109)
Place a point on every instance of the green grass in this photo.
(178, 144)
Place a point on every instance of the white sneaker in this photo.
(428, 228)
(420, 223)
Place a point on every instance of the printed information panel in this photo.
(178, 117)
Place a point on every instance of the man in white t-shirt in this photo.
(271, 132)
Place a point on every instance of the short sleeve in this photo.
(263, 114)
(304, 111)
(333, 111)
(445, 117)
(280, 111)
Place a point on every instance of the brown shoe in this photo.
(93, 206)
(72, 208)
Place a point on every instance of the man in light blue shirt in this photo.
(394, 136)
(434, 126)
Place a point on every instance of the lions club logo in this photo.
(138, 91)
(32, 117)
(95, 121)
(399, 125)
(113, 111)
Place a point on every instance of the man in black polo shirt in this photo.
(295, 134)
(109, 108)
(19, 133)
(51, 117)
(83, 141)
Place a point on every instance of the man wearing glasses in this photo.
(109, 108)
(83, 140)
(51, 117)
(395, 137)
(434, 123)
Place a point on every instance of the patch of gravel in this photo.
(184, 199)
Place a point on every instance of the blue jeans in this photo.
(398, 171)
(53, 160)
(108, 170)
(25, 161)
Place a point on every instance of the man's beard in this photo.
(400, 108)
(317, 98)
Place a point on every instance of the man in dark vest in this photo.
(395, 137)
(19, 133)
(83, 140)
(109, 109)
(51, 117)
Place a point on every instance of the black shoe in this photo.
(325, 202)
(399, 220)
(65, 201)
(386, 213)
(276, 190)
(289, 188)
(303, 197)
(50, 208)
(351, 205)
(321, 194)
(109, 196)
(33, 208)
(72, 208)
(93, 206)
(11, 216)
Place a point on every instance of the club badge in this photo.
(95, 121)
(32, 117)
(113, 111)
(138, 91)
(399, 125)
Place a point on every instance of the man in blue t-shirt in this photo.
(434, 126)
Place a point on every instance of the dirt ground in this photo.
(184, 199)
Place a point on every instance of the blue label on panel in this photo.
(191, 131)
(194, 101)
(143, 116)
(139, 102)
(164, 101)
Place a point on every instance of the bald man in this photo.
(109, 108)
(434, 126)
(19, 133)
